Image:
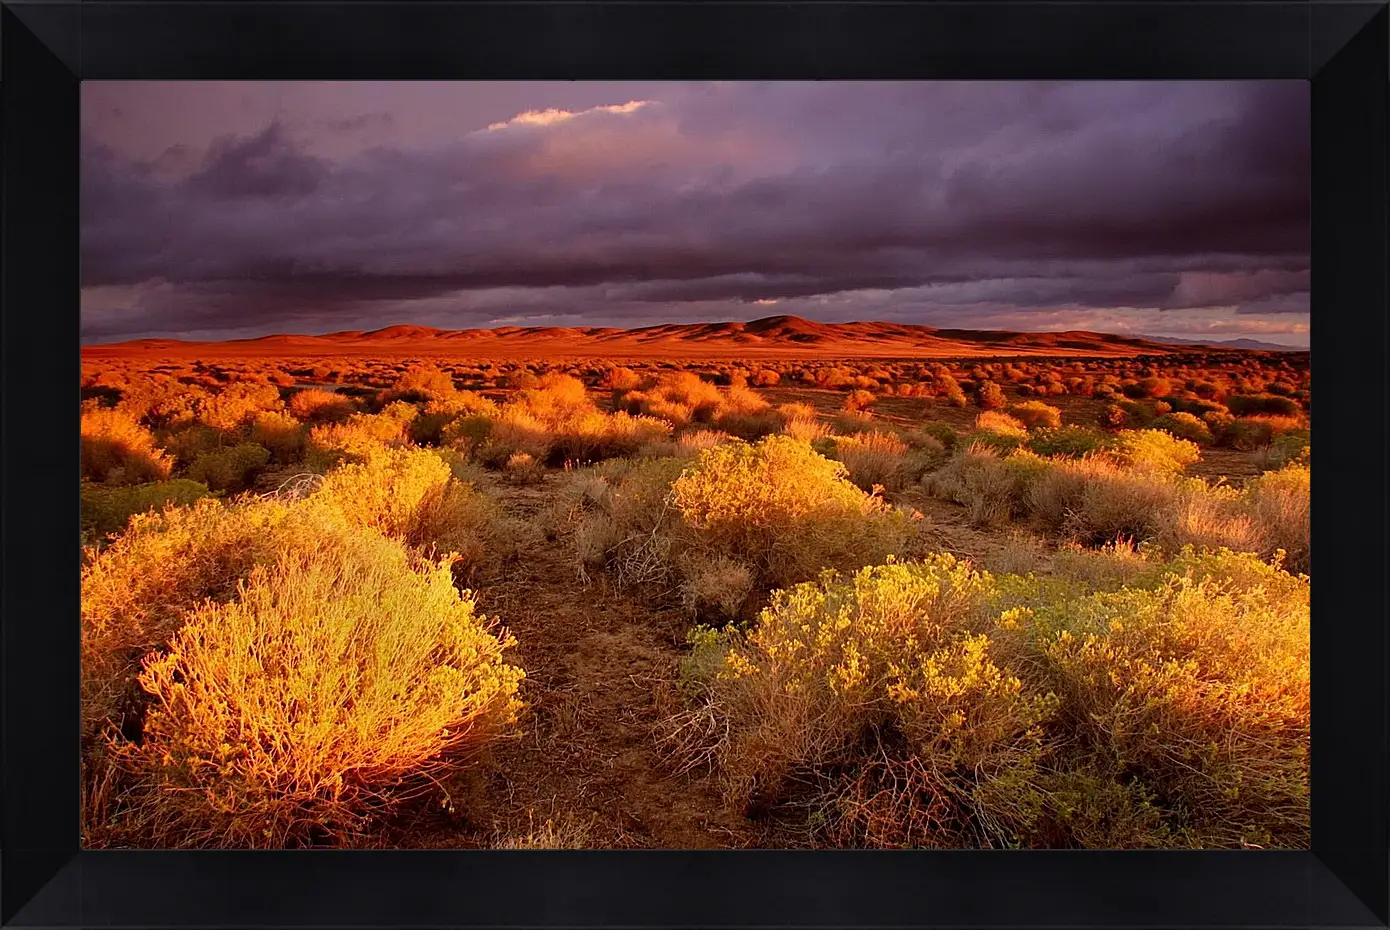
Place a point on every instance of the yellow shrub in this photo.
(286, 715)
(788, 510)
(320, 405)
(412, 495)
(279, 432)
(361, 436)
(116, 449)
(136, 590)
(927, 704)
(235, 405)
(1152, 448)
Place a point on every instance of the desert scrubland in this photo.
(795, 585)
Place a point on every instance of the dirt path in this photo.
(599, 666)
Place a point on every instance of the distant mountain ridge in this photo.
(1254, 344)
(774, 335)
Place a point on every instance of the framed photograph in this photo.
(744, 465)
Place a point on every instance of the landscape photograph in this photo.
(789, 465)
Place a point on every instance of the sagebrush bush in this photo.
(412, 495)
(873, 460)
(107, 509)
(788, 510)
(1152, 448)
(928, 704)
(116, 449)
(1035, 414)
(990, 396)
(136, 590)
(1279, 504)
(286, 715)
(1184, 426)
(316, 404)
(1068, 441)
(230, 469)
(280, 433)
(776, 506)
(992, 487)
(1243, 404)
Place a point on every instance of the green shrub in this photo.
(1184, 426)
(107, 510)
(1069, 441)
(1243, 404)
(928, 704)
(230, 469)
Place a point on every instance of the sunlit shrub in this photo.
(1279, 504)
(279, 432)
(412, 495)
(928, 704)
(282, 717)
(1035, 414)
(1069, 441)
(1184, 426)
(116, 449)
(990, 396)
(318, 405)
(235, 405)
(1152, 448)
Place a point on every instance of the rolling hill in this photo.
(775, 336)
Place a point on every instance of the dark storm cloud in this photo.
(965, 199)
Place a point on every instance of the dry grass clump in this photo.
(1135, 493)
(561, 833)
(1279, 504)
(294, 712)
(874, 460)
(116, 449)
(929, 704)
(993, 488)
(801, 421)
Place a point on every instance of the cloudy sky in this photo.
(218, 210)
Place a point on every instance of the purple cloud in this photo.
(948, 203)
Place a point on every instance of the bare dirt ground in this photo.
(599, 670)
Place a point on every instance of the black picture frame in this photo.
(47, 48)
